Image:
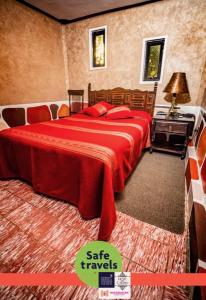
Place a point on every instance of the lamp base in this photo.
(173, 115)
(173, 108)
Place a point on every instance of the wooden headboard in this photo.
(135, 99)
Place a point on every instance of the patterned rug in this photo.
(41, 234)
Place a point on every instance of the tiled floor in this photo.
(40, 234)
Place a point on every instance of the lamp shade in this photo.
(177, 84)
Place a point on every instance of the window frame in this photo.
(91, 31)
(144, 56)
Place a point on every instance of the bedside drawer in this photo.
(179, 128)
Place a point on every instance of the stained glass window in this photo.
(153, 59)
(98, 47)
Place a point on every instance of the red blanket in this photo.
(80, 159)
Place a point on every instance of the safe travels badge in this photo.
(99, 264)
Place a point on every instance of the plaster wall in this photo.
(183, 21)
(31, 56)
(202, 94)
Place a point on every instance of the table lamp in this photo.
(177, 85)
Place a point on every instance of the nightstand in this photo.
(76, 101)
(172, 134)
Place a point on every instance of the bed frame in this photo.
(135, 99)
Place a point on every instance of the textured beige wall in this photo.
(182, 20)
(203, 104)
(202, 93)
(31, 56)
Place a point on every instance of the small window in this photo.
(97, 45)
(152, 59)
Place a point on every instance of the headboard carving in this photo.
(135, 99)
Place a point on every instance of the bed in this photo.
(82, 159)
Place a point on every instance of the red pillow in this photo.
(107, 105)
(120, 112)
(98, 109)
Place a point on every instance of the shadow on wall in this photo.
(202, 89)
(203, 104)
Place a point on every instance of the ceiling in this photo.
(70, 10)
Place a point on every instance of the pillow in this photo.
(98, 109)
(120, 112)
(107, 105)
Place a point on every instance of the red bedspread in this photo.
(80, 159)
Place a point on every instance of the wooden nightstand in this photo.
(77, 104)
(172, 134)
